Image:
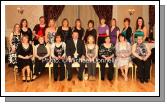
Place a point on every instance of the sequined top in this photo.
(106, 51)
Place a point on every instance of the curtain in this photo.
(151, 16)
(52, 11)
(104, 11)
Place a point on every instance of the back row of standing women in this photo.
(50, 30)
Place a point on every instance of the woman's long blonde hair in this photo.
(53, 21)
(14, 28)
(90, 36)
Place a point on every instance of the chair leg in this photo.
(49, 74)
(31, 75)
(15, 72)
(83, 74)
(132, 73)
(99, 74)
(116, 73)
(150, 72)
(135, 67)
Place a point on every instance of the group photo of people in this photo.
(107, 47)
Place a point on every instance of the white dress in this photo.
(122, 50)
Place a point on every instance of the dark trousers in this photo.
(80, 72)
(91, 68)
(59, 63)
(39, 66)
(143, 68)
(110, 70)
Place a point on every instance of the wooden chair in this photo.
(16, 71)
(130, 66)
(97, 67)
(50, 67)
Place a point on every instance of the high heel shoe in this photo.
(28, 78)
(23, 78)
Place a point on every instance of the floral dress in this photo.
(13, 55)
(125, 51)
(51, 37)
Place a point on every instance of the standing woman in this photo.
(65, 30)
(25, 30)
(25, 53)
(106, 53)
(39, 30)
(141, 29)
(127, 30)
(90, 31)
(14, 41)
(58, 55)
(78, 28)
(50, 31)
(91, 54)
(41, 53)
(123, 52)
(141, 52)
(114, 31)
(103, 31)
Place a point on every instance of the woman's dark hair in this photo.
(137, 26)
(101, 19)
(41, 17)
(89, 37)
(21, 22)
(121, 35)
(58, 35)
(127, 19)
(91, 21)
(106, 38)
(41, 37)
(24, 36)
(78, 20)
(113, 20)
(65, 19)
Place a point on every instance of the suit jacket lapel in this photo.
(73, 45)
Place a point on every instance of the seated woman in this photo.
(142, 53)
(123, 52)
(14, 41)
(91, 55)
(58, 55)
(106, 53)
(25, 52)
(41, 53)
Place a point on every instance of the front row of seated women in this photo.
(74, 50)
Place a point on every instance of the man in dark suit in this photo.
(75, 51)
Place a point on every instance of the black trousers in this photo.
(143, 68)
(62, 70)
(110, 70)
(80, 72)
(39, 66)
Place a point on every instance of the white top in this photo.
(58, 45)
